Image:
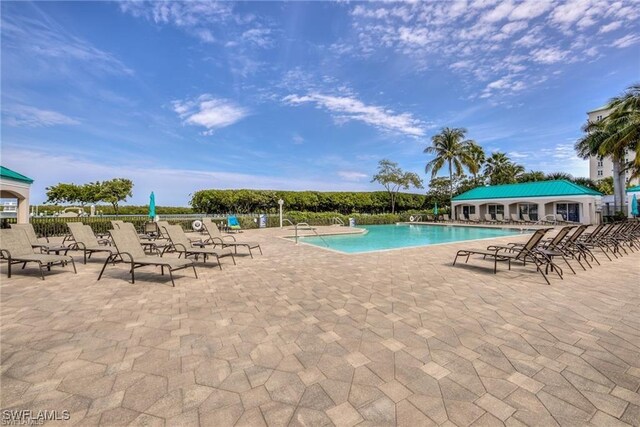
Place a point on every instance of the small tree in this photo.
(393, 179)
(115, 191)
(63, 193)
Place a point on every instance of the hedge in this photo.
(344, 202)
(122, 210)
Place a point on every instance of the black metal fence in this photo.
(611, 212)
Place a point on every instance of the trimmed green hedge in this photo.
(343, 202)
(122, 210)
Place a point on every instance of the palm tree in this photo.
(532, 176)
(613, 136)
(559, 175)
(449, 147)
(599, 141)
(477, 157)
(501, 170)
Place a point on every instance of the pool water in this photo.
(384, 237)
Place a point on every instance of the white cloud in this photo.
(347, 108)
(473, 38)
(26, 116)
(209, 112)
(297, 139)
(51, 43)
(626, 41)
(352, 175)
(548, 55)
(612, 26)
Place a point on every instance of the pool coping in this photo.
(522, 232)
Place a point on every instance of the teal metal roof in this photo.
(633, 189)
(528, 189)
(15, 176)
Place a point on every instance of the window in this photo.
(530, 209)
(599, 117)
(568, 211)
(599, 173)
(495, 209)
(600, 163)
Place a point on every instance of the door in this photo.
(573, 212)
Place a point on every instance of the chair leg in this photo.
(41, 272)
(194, 270)
(171, 276)
(85, 256)
(73, 264)
(133, 274)
(103, 267)
(9, 269)
(567, 262)
(260, 249)
(250, 253)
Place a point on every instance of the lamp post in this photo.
(280, 203)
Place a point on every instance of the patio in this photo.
(304, 336)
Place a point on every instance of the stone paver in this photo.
(305, 336)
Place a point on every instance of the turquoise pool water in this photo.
(381, 237)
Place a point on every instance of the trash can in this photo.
(352, 222)
(262, 221)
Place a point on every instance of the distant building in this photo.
(16, 186)
(602, 167)
(539, 200)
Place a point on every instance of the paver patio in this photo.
(304, 336)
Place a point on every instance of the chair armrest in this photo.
(229, 236)
(5, 254)
(126, 254)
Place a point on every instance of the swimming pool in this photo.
(384, 237)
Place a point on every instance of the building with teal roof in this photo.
(559, 199)
(14, 185)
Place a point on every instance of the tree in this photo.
(605, 185)
(440, 192)
(63, 193)
(532, 176)
(613, 136)
(449, 147)
(501, 170)
(559, 175)
(393, 179)
(477, 159)
(586, 182)
(115, 191)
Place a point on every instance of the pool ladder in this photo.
(305, 226)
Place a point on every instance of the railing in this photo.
(337, 221)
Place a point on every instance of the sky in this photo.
(184, 96)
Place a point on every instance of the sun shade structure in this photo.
(14, 185)
(559, 200)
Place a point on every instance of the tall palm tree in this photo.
(613, 136)
(477, 157)
(449, 147)
(599, 141)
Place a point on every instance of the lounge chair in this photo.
(16, 248)
(86, 241)
(445, 217)
(233, 223)
(501, 219)
(527, 219)
(37, 243)
(474, 218)
(128, 250)
(527, 252)
(488, 218)
(515, 218)
(217, 238)
(550, 247)
(180, 243)
(149, 243)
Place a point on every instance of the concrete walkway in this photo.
(304, 336)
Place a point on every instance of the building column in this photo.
(541, 211)
(23, 211)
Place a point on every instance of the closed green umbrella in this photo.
(634, 206)
(152, 206)
(435, 209)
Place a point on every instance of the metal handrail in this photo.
(337, 221)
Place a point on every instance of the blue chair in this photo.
(232, 223)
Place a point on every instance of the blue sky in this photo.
(182, 96)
